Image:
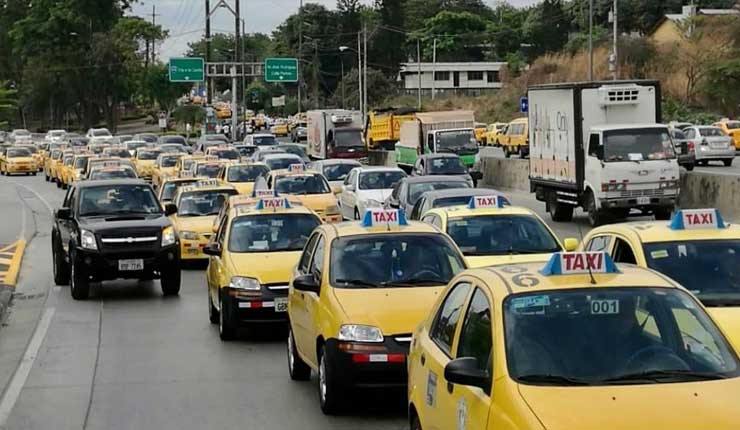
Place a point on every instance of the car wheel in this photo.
(299, 370)
(507, 154)
(78, 281)
(560, 212)
(212, 311)
(330, 392)
(59, 183)
(728, 162)
(689, 167)
(170, 281)
(357, 214)
(415, 423)
(595, 218)
(46, 177)
(226, 326)
(59, 266)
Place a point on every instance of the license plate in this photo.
(192, 251)
(643, 200)
(130, 265)
(281, 304)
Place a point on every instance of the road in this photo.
(129, 358)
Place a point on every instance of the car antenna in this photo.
(588, 266)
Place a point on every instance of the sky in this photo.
(185, 19)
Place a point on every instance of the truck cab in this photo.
(335, 133)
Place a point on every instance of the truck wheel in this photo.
(331, 395)
(60, 267)
(170, 281)
(46, 177)
(560, 212)
(212, 311)
(79, 283)
(595, 218)
(226, 324)
(662, 214)
(522, 153)
(507, 154)
(689, 167)
(298, 369)
(728, 162)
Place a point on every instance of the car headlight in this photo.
(189, 235)
(360, 333)
(372, 203)
(332, 210)
(87, 240)
(241, 283)
(168, 236)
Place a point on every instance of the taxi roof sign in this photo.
(571, 263)
(207, 183)
(296, 168)
(264, 193)
(384, 217)
(273, 203)
(480, 202)
(694, 219)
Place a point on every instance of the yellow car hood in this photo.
(728, 318)
(167, 171)
(266, 267)
(475, 261)
(198, 224)
(691, 405)
(21, 160)
(243, 187)
(317, 202)
(393, 310)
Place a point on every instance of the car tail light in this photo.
(691, 146)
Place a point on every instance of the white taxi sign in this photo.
(186, 174)
(480, 202)
(383, 217)
(207, 183)
(273, 203)
(694, 219)
(211, 158)
(296, 168)
(111, 163)
(572, 263)
(264, 193)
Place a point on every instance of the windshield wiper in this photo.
(548, 379)
(720, 302)
(663, 375)
(357, 282)
(405, 283)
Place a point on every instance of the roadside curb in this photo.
(11, 257)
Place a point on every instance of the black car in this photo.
(114, 229)
(449, 197)
(408, 190)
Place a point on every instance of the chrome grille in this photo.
(277, 287)
(642, 193)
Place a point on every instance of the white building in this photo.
(457, 78)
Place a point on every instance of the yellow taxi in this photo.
(479, 130)
(243, 175)
(108, 171)
(516, 138)
(732, 128)
(696, 248)
(97, 148)
(51, 162)
(493, 132)
(185, 164)
(310, 187)
(18, 159)
(76, 169)
(197, 207)
(36, 154)
(165, 166)
(358, 292)
(575, 343)
(257, 244)
(145, 162)
(210, 167)
(57, 171)
(168, 187)
(280, 128)
(488, 231)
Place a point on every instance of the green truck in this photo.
(432, 132)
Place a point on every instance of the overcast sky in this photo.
(185, 19)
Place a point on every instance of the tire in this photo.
(46, 177)
(663, 214)
(507, 154)
(298, 369)
(522, 155)
(357, 214)
(331, 394)
(170, 281)
(78, 281)
(226, 325)
(34, 173)
(728, 163)
(595, 218)
(415, 423)
(212, 311)
(560, 212)
(689, 167)
(59, 266)
(59, 183)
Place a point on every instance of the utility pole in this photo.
(359, 73)
(209, 82)
(238, 58)
(434, 66)
(341, 61)
(590, 40)
(316, 74)
(300, 52)
(418, 69)
(364, 66)
(615, 56)
(154, 22)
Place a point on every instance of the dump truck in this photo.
(383, 127)
(335, 133)
(432, 132)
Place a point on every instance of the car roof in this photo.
(334, 161)
(110, 182)
(276, 155)
(237, 209)
(355, 228)
(434, 178)
(660, 231)
(464, 211)
(364, 169)
(458, 192)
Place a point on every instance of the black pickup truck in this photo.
(114, 229)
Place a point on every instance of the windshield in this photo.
(711, 132)
(228, 154)
(246, 173)
(202, 203)
(118, 199)
(271, 233)
(624, 336)
(216, 139)
(67, 161)
(295, 150)
(637, 144)
(101, 132)
(172, 147)
(416, 190)
(80, 162)
(121, 153)
(348, 139)
(338, 172)
(282, 163)
(380, 180)
(131, 146)
(246, 151)
(501, 235)
(708, 268)
(732, 125)
(147, 155)
(56, 133)
(18, 152)
(302, 184)
(456, 140)
(208, 170)
(150, 138)
(168, 192)
(21, 132)
(445, 166)
(112, 174)
(393, 260)
(264, 140)
(168, 161)
(173, 139)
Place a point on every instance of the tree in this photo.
(546, 27)
(459, 36)
(257, 95)
(157, 87)
(388, 43)
(8, 103)
(723, 86)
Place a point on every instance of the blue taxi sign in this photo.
(572, 263)
(383, 217)
(693, 219)
(480, 202)
(273, 203)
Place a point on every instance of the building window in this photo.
(441, 76)
(492, 76)
(475, 76)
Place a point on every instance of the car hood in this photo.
(243, 187)
(694, 405)
(266, 267)
(728, 318)
(379, 195)
(197, 224)
(393, 310)
(125, 224)
(475, 261)
(317, 202)
(21, 160)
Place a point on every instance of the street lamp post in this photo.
(341, 61)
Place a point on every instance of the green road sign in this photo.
(187, 69)
(281, 69)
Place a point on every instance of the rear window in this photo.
(711, 132)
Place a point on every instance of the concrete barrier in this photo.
(505, 173)
(707, 190)
(382, 158)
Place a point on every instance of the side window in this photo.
(623, 252)
(318, 259)
(429, 219)
(690, 133)
(476, 336)
(443, 329)
(599, 243)
(72, 200)
(67, 197)
(222, 230)
(594, 148)
(307, 252)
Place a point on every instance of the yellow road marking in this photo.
(14, 264)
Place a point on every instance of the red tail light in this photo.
(690, 146)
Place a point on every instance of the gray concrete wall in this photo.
(505, 173)
(382, 158)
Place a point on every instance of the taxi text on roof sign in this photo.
(692, 219)
(480, 202)
(264, 193)
(296, 168)
(383, 217)
(207, 183)
(273, 203)
(571, 263)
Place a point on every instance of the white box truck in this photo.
(601, 146)
(334, 133)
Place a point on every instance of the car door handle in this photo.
(450, 387)
(423, 359)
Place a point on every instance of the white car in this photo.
(99, 135)
(260, 139)
(367, 187)
(20, 135)
(335, 170)
(55, 135)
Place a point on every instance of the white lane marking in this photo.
(13, 390)
(56, 289)
(38, 196)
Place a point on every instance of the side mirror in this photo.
(170, 209)
(306, 283)
(394, 204)
(64, 213)
(464, 371)
(336, 189)
(213, 249)
(349, 187)
(570, 244)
